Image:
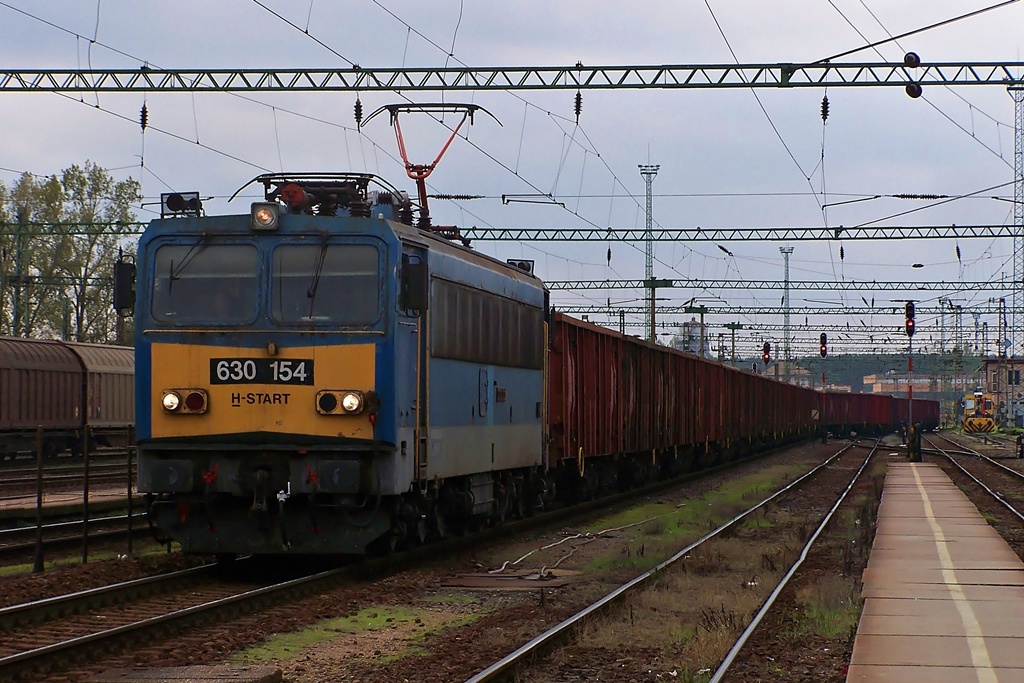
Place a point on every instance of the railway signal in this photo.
(910, 319)
(766, 356)
(824, 345)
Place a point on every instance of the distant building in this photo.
(1002, 379)
(898, 384)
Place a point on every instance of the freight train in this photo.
(64, 388)
(320, 376)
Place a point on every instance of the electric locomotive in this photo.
(320, 376)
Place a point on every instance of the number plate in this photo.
(260, 371)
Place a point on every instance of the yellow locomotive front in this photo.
(262, 352)
(979, 413)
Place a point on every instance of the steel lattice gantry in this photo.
(616, 235)
(578, 77)
(738, 234)
(807, 285)
(895, 329)
(846, 311)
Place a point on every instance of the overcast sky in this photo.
(724, 162)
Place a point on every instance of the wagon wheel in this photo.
(418, 532)
(440, 525)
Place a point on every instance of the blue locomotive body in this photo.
(319, 376)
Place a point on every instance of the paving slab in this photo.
(946, 623)
(929, 574)
(931, 591)
(937, 573)
(921, 650)
(859, 673)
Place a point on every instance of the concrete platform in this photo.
(192, 674)
(943, 593)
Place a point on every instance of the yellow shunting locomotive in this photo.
(979, 413)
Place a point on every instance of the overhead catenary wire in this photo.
(487, 154)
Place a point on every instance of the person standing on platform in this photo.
(914, 443)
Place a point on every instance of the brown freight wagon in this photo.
(619, 402)
(62, 387)
(108, 391)
(846, 413)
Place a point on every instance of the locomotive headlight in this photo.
(340, 402)
(264, 216)
(352, 402)
(171, 401)
(195, 401)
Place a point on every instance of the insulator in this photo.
(455, 197)
(579, 105)
(958, 252)
(920, 196)
(609, 256)
(842, 254)
(824, 108)
(359, 113)
(144, 116)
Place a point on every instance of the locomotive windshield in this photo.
(205, 283)
(321, 283)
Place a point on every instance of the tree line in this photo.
(59, 239)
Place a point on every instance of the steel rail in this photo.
(10, 546)
(54, 526)
(1002, 501)
(503, 668)
(770, 602)
(38, 611)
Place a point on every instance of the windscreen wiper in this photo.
(193, 251)
(318, 268)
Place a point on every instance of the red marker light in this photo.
(195, 401)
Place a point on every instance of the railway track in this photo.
(47, 635)
(16, 542)
(1003, 483)
(146, 628)
(18, 482)
(530, 657)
